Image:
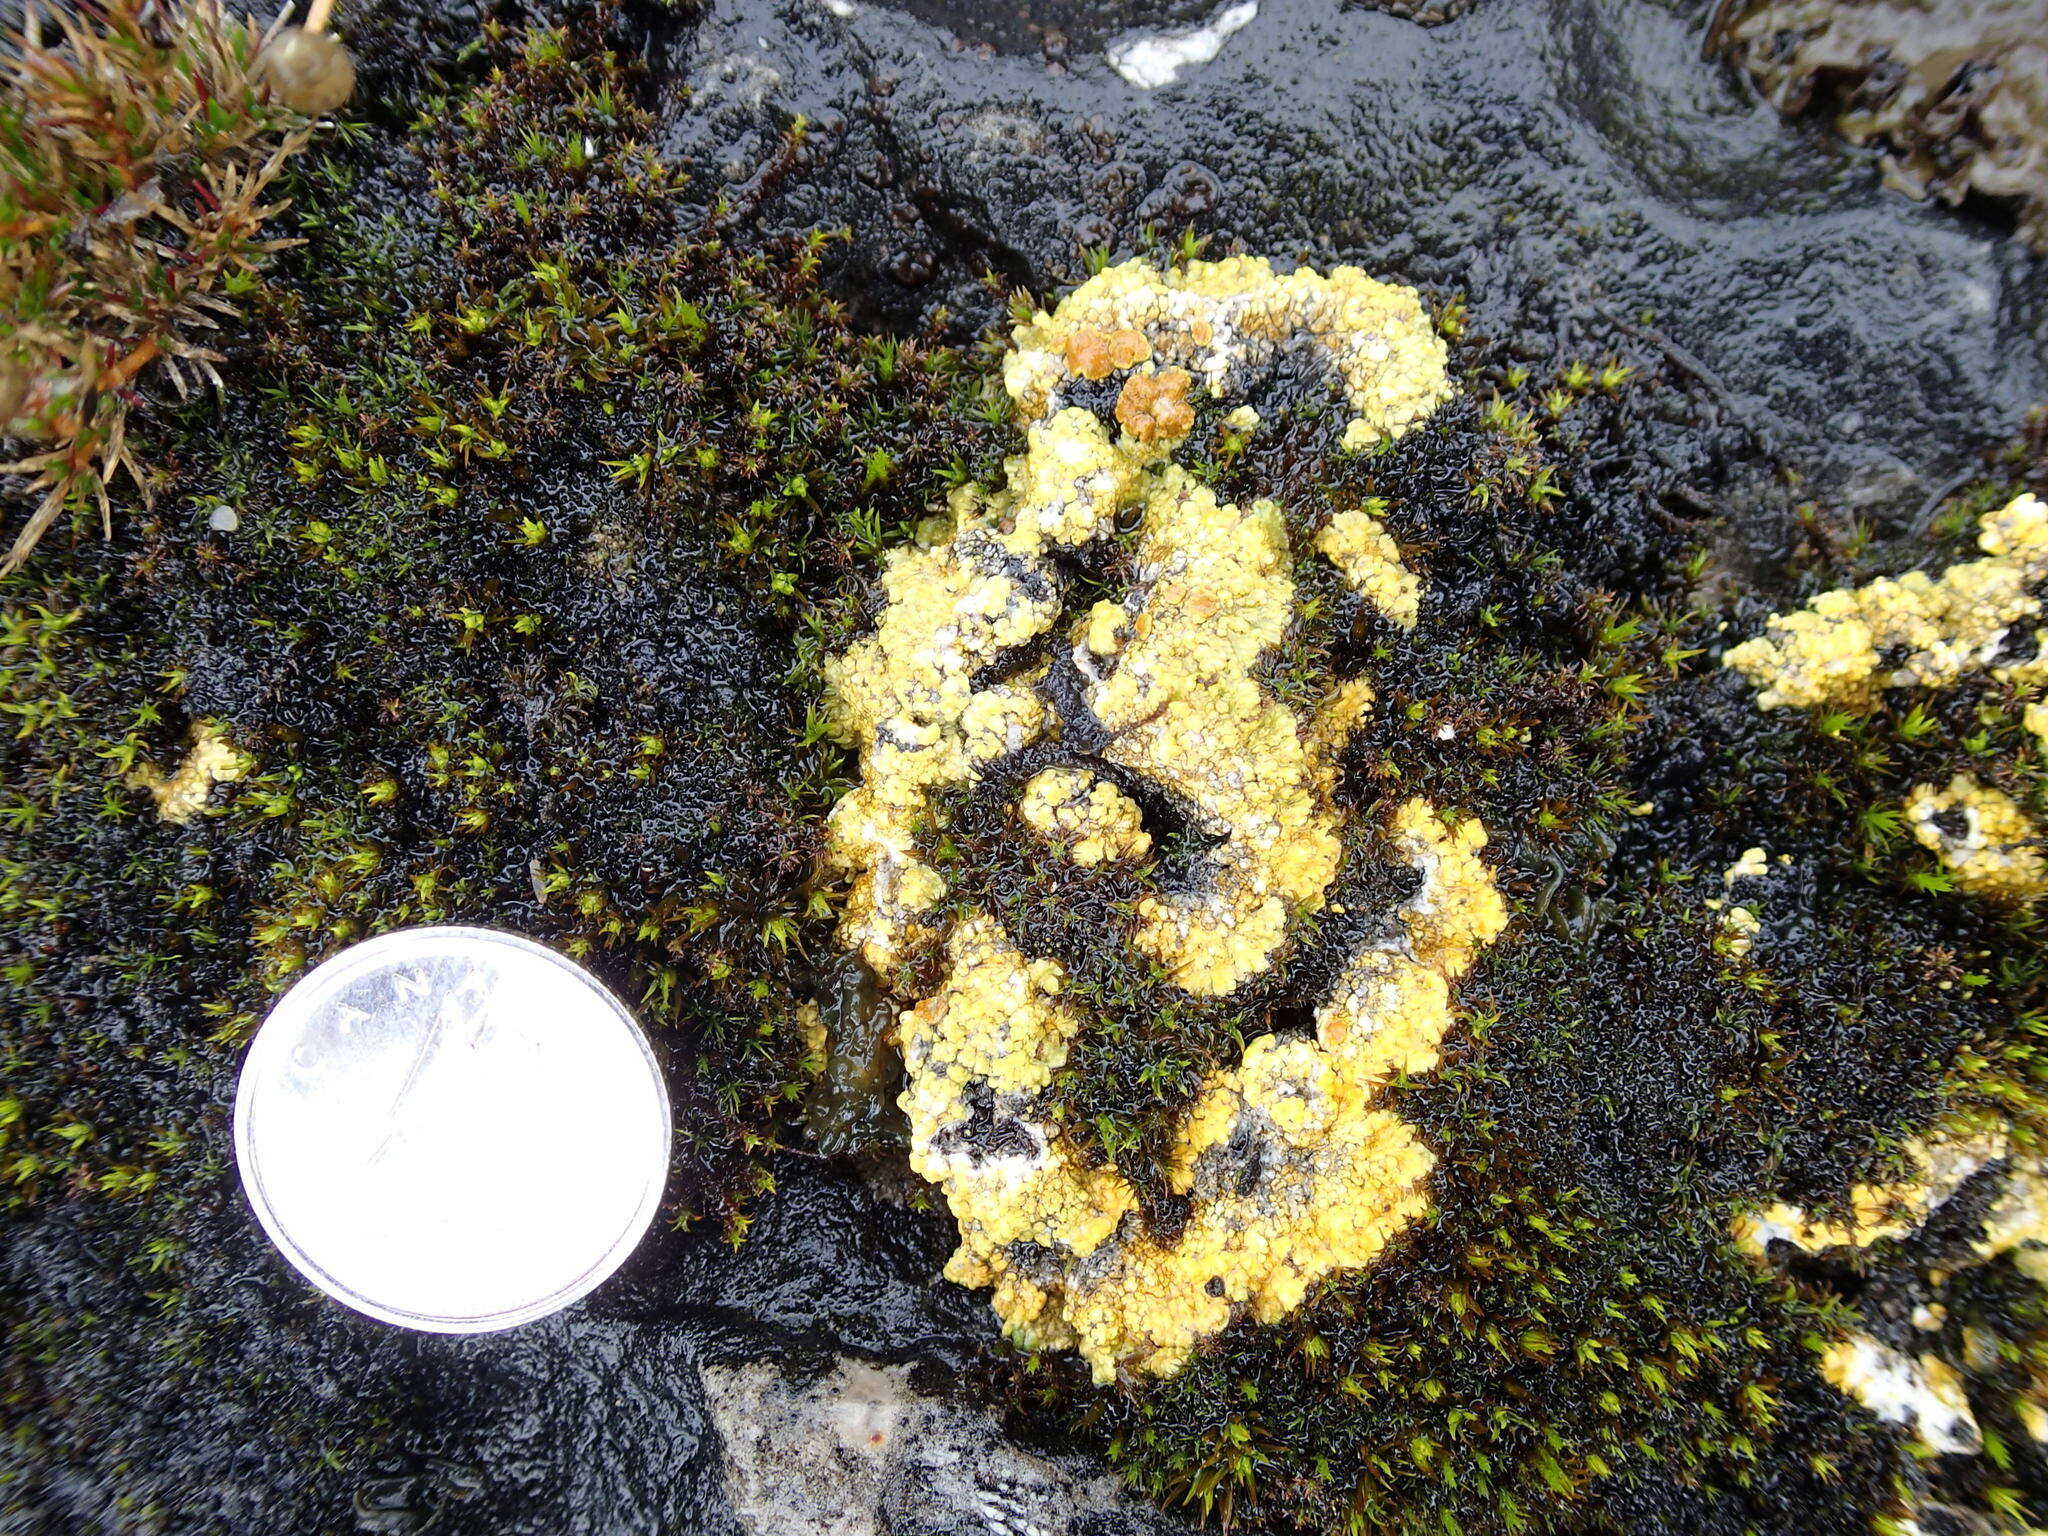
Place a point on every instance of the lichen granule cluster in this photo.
(1289, 1166)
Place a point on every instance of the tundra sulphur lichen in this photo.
(1846, 646)
(1832, 650)
(1287, 1165)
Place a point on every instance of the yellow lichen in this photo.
(1940, 1166)
(1359, 545)
(1292, 1168)
(2035, 718)
(1219, 318)
(185, 794)
(1336, 720)
(1753, 865)
(1184, 708)
(1334, 1176)
(810, 1023)
(1985, 840)
(1950, 625)
(1087, 818)
(1923, 1391)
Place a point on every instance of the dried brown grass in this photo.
(139, 142)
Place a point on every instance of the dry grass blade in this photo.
(138, 142)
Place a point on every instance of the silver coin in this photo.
(452, 1129)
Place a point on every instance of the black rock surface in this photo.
(1574, 166)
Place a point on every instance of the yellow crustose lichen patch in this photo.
(1087, 818)
(1292, 1168)
(1940, 1166)
(183, 796)
(1987, 842)
(1220, 318)
(1917, 1388)
(1949, 625)
(1359, 546)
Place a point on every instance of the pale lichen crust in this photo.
(1290, 1165)
(1914, 1386)
(186, 793)
(1981, 835)
(1358, 544)
(1088, 819)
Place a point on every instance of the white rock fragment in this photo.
(223, 519)
(1150, 60)
(1925, 1394)
(860, 1452)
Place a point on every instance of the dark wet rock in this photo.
(827, 1263)
(1054, 28)
(1573, 166)
(859, 1451)
(1428, 13)
(148, 1392)
(1954, 95)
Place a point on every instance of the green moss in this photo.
(541, 491)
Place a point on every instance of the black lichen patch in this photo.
(1895, 1002)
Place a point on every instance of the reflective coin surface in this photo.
(452, 1129)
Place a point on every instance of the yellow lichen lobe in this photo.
(185, 794)
(1981, 835)
(1924, 1391)
(1389, 1009)
(1337, 719)
(1940, 1165)
(1087, 818)
(1219, 318)
(1830, 650)
(1358, 544)
(995, 1033)
(1185, 709)
(1338, 1180)
(1293, 1170)
(905, 693)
